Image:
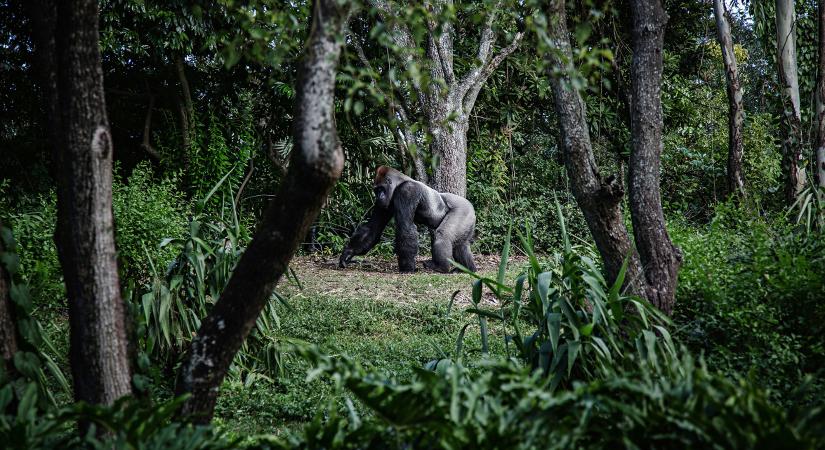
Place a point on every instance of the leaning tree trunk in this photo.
(660, 258)
(316, 164)
(736, 110)
(85, 226)
(820, 101)
(600, 199)
(791, 113)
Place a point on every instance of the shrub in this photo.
(147, 210)
(750, 297)
(505, 405)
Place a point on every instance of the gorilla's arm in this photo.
(367, 235)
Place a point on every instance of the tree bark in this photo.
(791, 113)
(186, 110)
(146, 144)
(659, 257)
(736, 110)
(820, 101)
(8, 325)
(316, 164)
(447, 111)
(599, 199)
(85, 227)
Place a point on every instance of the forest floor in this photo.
(390, 321)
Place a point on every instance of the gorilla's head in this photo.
(385, 181)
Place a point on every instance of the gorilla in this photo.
(450, 218)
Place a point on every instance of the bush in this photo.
(499, 199)
(750, 297)
(147, 210)
(33, 223)
(504, 405)
(128, 424)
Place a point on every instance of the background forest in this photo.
(551, 344)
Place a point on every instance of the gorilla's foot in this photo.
(432, 265)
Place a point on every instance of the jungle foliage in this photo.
(545, 354)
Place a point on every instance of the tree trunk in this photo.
(316, 164)
(791, 113)
(85, 228)
(820, 101)
(449, 144)
(446, 111)
(8, 325)
(186, 110)
(736, 110)
(659, 257)
(146, 144)
(599, 199)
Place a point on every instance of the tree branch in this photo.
(402, 133)
(146, 145)
(472, 90)
(440, 53)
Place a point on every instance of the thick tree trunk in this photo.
(449, 144)
(791, 114)
(599, 199)
(8, 325)
(820, 101)
(736, 110)
(659, 257)
(85, 226)
(316, 164)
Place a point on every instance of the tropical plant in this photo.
(580, 328)
(34, 360)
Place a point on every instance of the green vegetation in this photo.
(535, 350)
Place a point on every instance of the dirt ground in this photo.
(378, 278)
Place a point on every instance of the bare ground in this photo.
(378, 278)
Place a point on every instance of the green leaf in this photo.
(476, 297)
(543, 287)
(572, 353)
(26, 410)
(554, 329)
(505, 256)
(27, 363)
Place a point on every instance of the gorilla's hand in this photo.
(346, 257)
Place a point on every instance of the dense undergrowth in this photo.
(559, 359)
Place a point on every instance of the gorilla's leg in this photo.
(453, 235)
(463, 255)
(406, 238)
(442, 251)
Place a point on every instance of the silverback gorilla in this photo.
(411, 202)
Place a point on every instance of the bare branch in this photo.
(441, 54)
(485, 45)
(470, 95)
(485, 50)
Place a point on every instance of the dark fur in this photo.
(450, 217)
